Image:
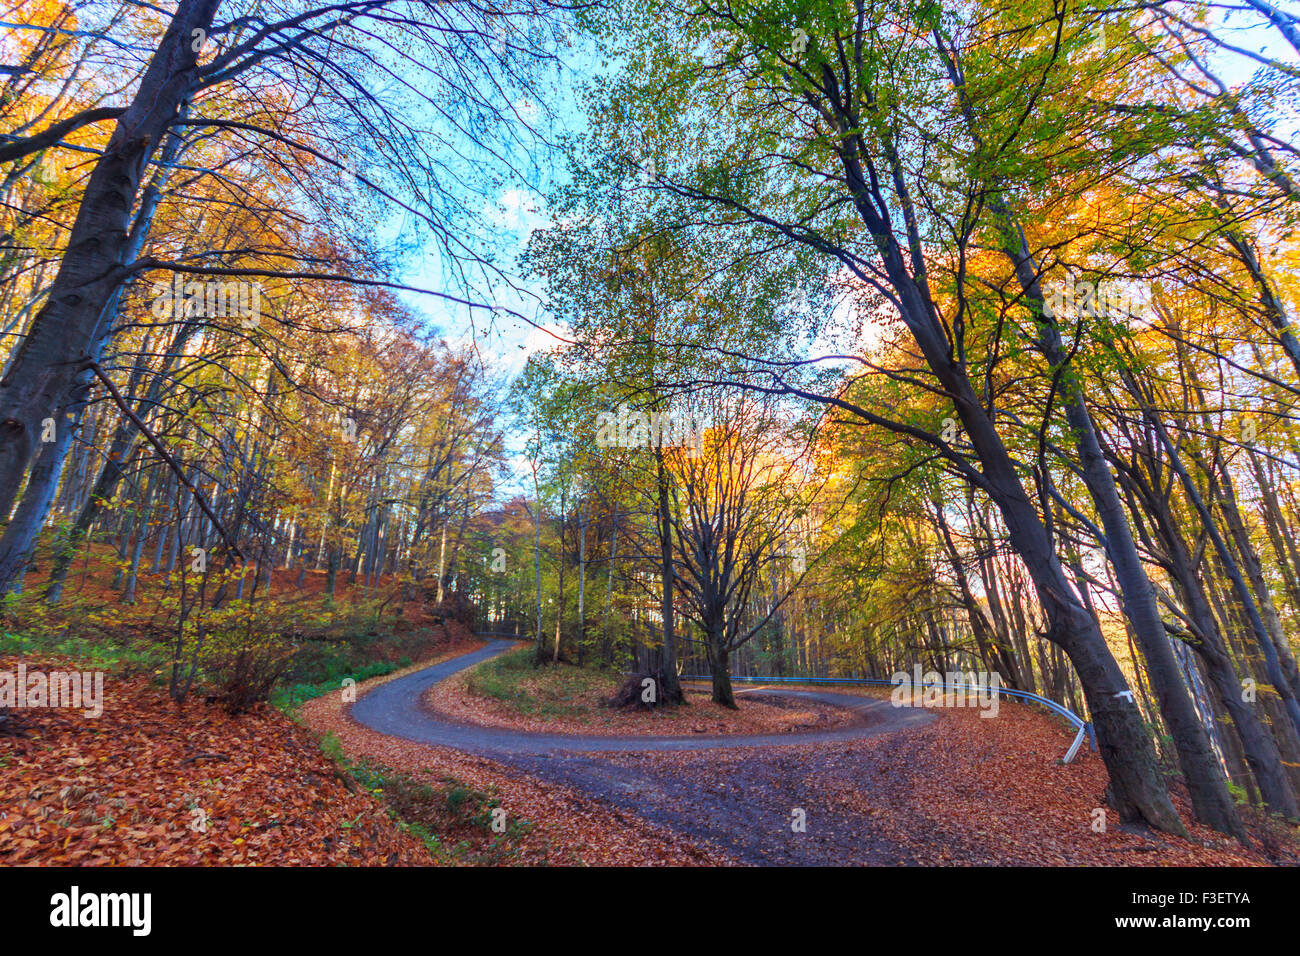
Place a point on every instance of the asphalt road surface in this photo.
(745, 805)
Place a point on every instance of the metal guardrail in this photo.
(1083, 726)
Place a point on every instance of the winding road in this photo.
(741, 801)
(394, 708)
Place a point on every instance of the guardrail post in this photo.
(1074, 747)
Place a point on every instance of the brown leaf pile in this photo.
(147, 783)
(984, 791)
(972, 791)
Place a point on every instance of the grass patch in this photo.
(557, 690)
(458, 824)
(121, 656)
(289, 698)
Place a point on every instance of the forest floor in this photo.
(961, 790)
(508, 691)
(150, 783)
(147, 782)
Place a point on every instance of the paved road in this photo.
(394, 708)
(739, 801)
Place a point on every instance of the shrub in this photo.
(244, 657)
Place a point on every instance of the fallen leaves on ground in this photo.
(975, 790)
(150, 784)
(967, 790)
(147, 783)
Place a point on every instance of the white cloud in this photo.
(516, 210)
(532, 339)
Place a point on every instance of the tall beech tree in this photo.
(828, 118)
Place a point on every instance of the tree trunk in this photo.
(672, 691)
(719, 671)
(1206, 782)
(605, 648)
(19, 538)
(50, 374)
(540, 656)
(582, 581)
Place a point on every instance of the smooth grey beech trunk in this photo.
(51, 371)
(672, 690)
(20, 535)
(1206, 781)
(1251, 565)
(1259, 748)
(1136, 790)
(995, 654)
(119, 450)
(582, 580)
(1232, 569)
(605, 655)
